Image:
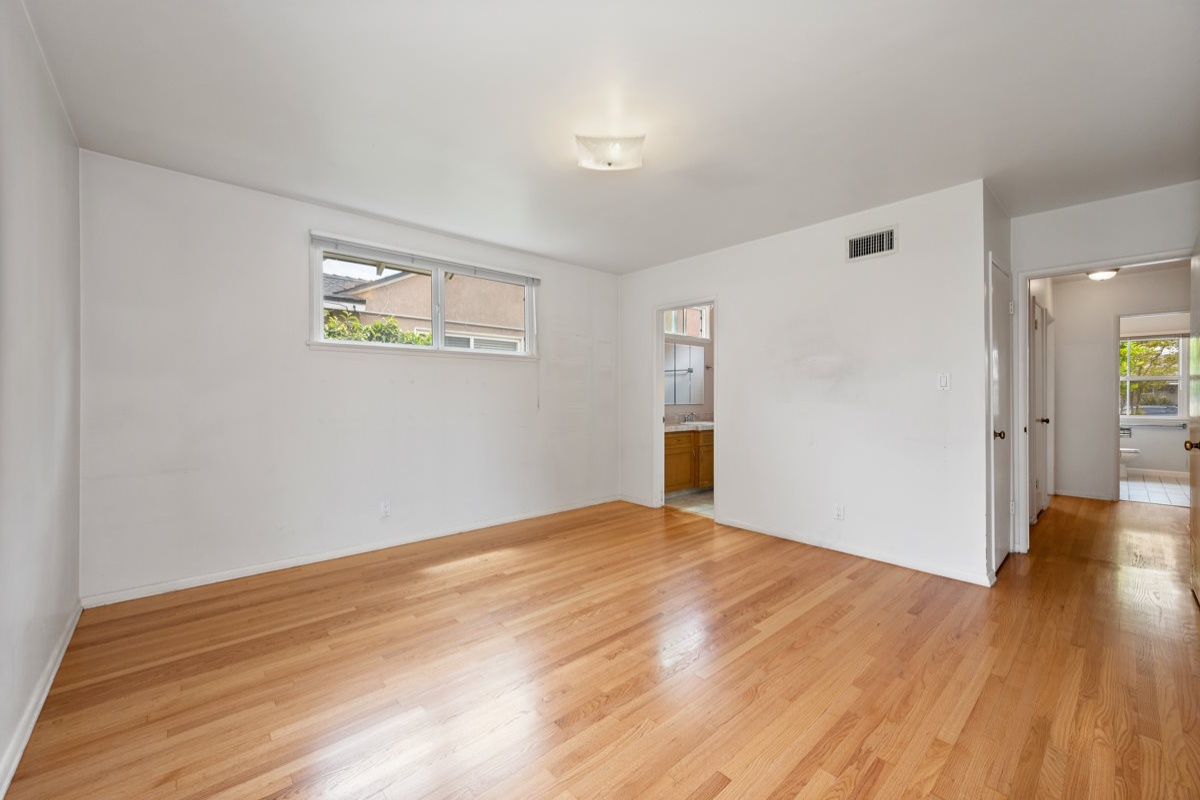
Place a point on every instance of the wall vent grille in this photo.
(871, 244)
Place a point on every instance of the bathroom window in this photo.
(1153, 380)
(695, 322)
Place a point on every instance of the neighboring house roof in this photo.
(367, 286)
(347, 289)
(336, 284)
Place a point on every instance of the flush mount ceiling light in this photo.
(1102, 274)
(610, 153)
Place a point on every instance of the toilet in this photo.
(1128, 454)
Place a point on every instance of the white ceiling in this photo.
(760, 116)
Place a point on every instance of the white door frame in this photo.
(1021, 372)
(658, 409)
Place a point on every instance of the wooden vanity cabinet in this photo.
(680, 470)
(704, 448)
(688, 461)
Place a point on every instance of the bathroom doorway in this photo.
(1152, 423)
(686, 338)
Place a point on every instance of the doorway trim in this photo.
(1023, 365)
(658, 408)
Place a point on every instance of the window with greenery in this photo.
(374, 297)
(1152, 374)
(692, 321)
(373, 301)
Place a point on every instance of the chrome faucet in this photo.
(690, 417)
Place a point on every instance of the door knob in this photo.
(1045, 420)
(997, 434)
(1191, 445)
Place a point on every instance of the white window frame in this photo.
(473, 336)
(321, 243)
(1183, 377)
(705, 323)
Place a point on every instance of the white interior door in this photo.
(1048, 391)
(1039, 413)
(1000, 308)
(1193, 444)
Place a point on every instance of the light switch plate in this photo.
(943, 381)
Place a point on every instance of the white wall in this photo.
(827, 387)
(1161, 446)
(215, 441)
(1086, 331)
(1175, 323)
(1131, 226)
(997, 230)
(39, 382)
(1043, 290)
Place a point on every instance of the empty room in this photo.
(570, 400)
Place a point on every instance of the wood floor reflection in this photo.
(620, 651)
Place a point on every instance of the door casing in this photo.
(657, 408)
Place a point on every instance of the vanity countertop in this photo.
(690, 426)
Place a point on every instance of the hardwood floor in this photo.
(619, 651)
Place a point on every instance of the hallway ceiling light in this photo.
(1103, 274)
(610, 153)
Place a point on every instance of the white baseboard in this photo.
(149, 590)
(640, 501)
(1086, 495)
(919, 565)
(20, 737)
(1159, 473)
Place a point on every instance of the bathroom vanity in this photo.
(688, 457)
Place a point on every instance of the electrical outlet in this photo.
(839, 513)
(385, 508)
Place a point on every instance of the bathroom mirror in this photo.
(683, 383)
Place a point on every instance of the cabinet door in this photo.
(679, 463)
(680, 470)
(706, 466)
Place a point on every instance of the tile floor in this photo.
(696, 502)
(1163, 490)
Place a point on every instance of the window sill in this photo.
(416, 350)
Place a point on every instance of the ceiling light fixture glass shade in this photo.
(1102, 274)
(610, 153)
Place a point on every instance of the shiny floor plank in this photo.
(619, 651)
